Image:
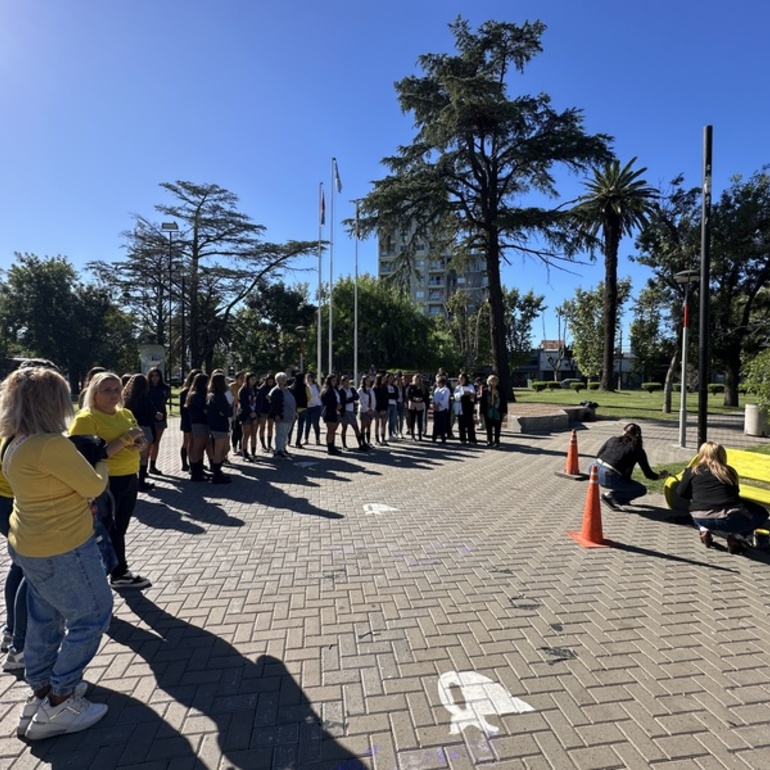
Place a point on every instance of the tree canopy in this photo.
(477, 156)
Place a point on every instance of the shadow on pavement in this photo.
(263, 718)
(130, 735)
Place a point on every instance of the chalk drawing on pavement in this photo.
(483, 697)
(376, 508)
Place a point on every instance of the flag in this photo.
(322, 209)
(337, 180)
(357, 230)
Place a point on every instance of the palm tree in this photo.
(617, 202)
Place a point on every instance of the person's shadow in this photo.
(262, 716)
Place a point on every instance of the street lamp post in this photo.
(300, 334)
(686, 278)
(170, 228)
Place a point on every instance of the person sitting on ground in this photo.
(615, 463)
(716, 507)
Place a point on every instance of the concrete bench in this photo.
(751, 466)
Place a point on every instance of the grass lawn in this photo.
(625, 404)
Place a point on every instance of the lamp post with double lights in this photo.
(170, 228)
(686, 278)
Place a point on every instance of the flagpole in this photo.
(331, 262)
(355, 309)
(321, 217)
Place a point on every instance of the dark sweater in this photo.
(706, 492)
(623, 455)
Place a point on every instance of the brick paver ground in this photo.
(305, 616)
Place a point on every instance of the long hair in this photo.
(89, 402)
(218, 382)
(712, 456)
(191, 375)
(197, 387)
(34, 400)
(328, 384)
(247, 384)
(136, 388)
(632, 434)
(161, 383)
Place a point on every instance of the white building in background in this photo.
(434, 280)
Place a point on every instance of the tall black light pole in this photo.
(170, 228)
(705, 266)
(686, 278)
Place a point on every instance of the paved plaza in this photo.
(422, 608)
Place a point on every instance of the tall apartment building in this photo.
(434, 279)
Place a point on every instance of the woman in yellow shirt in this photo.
(105, 416)
(51, 539)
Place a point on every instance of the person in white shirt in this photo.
(314, 409)
(441, 398)
(464, 406)
(366, 409)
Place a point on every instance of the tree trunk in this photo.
(732, 376)
(498, 319)
(611, 246)
(668, 387)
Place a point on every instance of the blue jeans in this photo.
(736, 523)
(69, 588)
(392, 420)
(623, 490)
(313, 417)
(301, 420)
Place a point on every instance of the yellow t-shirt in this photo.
(90, 422)
(51, 482)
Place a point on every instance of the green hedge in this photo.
(715, 387)
(577, 386)
(539, 385)
(593, 385)
(651, 387)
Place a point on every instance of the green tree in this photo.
(218, 260)
(476, 156)
(47, 312)
(392, 331)
(520, 313)
(586, 317)
(616, 203)
(266, 336)
(469, 328)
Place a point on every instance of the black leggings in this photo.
(124, 489)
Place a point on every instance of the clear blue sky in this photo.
(102, 101)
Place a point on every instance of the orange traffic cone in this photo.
(572, 468)
(590, 536)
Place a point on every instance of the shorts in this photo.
(149, 433)
(218, 435)
(161, 424)
(199, 430)
(348, 418)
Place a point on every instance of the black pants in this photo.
(466, 427)
(493, 429)
(124, 489)
(441, 424)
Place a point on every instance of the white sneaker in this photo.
(14, 661)
(6, 642)
(74, 714)
(32, 704)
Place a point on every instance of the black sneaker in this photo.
(610, 500)
(129, 580)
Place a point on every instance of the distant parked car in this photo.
(568, 382)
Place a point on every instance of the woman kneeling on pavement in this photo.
(615, 463)
(716, 507)
(52, 540)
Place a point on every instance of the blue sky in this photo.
(102, 101)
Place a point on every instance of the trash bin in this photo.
(755, 421)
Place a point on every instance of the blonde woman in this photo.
(52, 540)
(493, 408)
(716, 507)
(105, 415)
